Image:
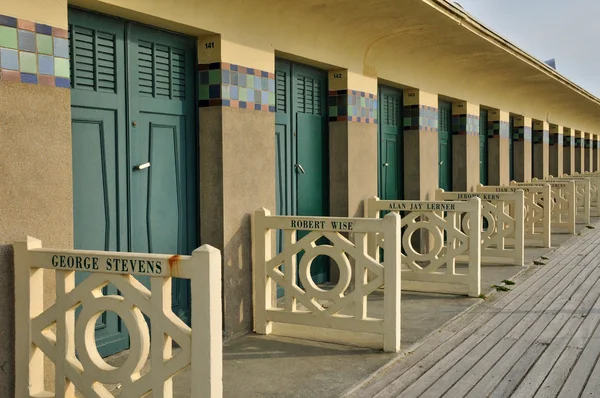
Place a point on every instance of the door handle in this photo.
(386, 164)
(141, 166)
(299, 167)
(442, 162)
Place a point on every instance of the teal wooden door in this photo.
(302, 172)
(483, 147)
(116, 125)
(445, 145)
(162, 134)
(391, 167)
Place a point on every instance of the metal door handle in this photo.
(299, 167)
(386, 164)
(141, 166)
(442, 162)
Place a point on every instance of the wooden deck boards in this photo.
(539, 340)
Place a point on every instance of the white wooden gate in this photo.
(439, 223)
(564, 203)
(341, 307)
(594, 189)
(69, 341)
(537, 211)
(502, 226)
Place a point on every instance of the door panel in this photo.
(391, 167)
(313, 177)
(161, 97)
(483, 147)
(98, 115)
(445, 146)
(302, 177)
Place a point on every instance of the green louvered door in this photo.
(445, 145)
(302, 173)
(163, 124)
(391, 170)
(483, 147)
(133, 103)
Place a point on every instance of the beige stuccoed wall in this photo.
(541, 150)
(465, 150)
(35, 175)
(569, 151)
(421, 175)
(498, 157)
(556, 150)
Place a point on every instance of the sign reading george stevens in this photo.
(107, 262)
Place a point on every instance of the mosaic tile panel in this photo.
(420, 118)
(33, 53)
(556, 139)
(465, 125)
(598, 144)
(568, 141)
(352, 106)
(235, 86)
(577, 142)
(541, 136)
(498, 129)
(522, 133)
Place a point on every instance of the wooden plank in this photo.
(579, 376)
(412, 384)
(524, 345)
(465, 377)
(405, 372)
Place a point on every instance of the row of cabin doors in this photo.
(134, 118)
(391, 145)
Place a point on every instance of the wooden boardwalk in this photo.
(541, 339)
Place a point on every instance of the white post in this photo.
(207, 338)
(547, 228)
(29, 303)
(475, 248)
(261, 253)
(392, 283)
(520, 228)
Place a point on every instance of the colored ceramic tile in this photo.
(226, 92)
(214, 76)
(264, 83)
(203, 92)
(243, 94)
(242, 79)
(43, 29)
(214, 91)
(46, 65)
(8, 21)
(258, 97)
(44, 44)
(46, 80)
(61, 67)
(11, 76)
(27, 41)
(250, 82)
(29, 78)
(58, 32)
(8, 37)
(250, 95)
(28, 62)
(9, 59)
(61, 47)
(333, 111)
(234, 78)
(225, 76)
(26, 25)
(203, 77)
(264, 97)
(235, 93)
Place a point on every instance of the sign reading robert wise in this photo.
(324, 224)
(109, 262)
